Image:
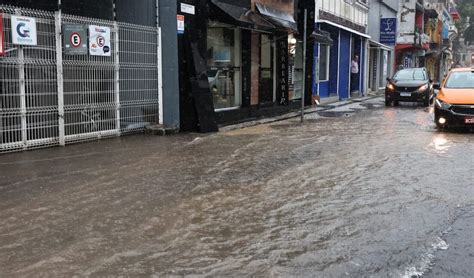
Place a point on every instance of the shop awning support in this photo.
(304, 64)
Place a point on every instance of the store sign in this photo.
(99, 41)
(2, 37)
(180, 24)
(75, 39)
(282, 71)
(388, 31)
(24, 30)
(189, 9)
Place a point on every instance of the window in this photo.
(460, 80)
(324, 63)
(224, 65)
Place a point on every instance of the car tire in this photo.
(426, 103)
(396, 103)
(388, 102)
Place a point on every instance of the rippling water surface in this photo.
(356, 191)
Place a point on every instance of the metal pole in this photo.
(117, 79)
(304, 65)
(60, 78)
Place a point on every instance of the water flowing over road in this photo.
(358, 191)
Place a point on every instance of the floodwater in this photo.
(357, 191)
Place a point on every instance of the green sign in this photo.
(75, 39)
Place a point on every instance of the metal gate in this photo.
(48, 98)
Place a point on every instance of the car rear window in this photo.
(460, 80)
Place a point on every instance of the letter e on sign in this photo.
(75, 40)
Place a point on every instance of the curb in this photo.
(308, 110)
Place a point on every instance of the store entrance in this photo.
(266, 84)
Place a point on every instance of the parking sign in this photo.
(75, 39)
(99, 41)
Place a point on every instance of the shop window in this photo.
(296, 66)
(224, 64)
(324, 63)
(267, 61)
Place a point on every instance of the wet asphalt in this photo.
(359, 190)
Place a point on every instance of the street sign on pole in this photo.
(75, 39)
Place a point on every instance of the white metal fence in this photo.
(48, 98)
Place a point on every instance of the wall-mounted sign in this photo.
(75, 39)
(24, 30)
(180, 24)
(99, 41)
(388, 31)
(2, 37)
(188, 9)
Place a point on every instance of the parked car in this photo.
(412, 85)
(454, 103)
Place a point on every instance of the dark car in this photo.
(411, 85)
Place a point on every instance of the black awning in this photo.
(322, 37)
(277, 17)
(241, 16)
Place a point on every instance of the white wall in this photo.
(355, 12)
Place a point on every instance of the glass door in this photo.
(267, 51)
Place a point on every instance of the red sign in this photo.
(75, 40)
(2, 37)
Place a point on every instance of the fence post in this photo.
(117, 79)
(160, 80)
(60, 78)
(21, 77)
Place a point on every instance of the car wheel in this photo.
(396, 103)
(388, 102)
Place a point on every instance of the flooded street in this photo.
(357, 191)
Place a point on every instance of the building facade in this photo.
(346, 22)
(241, 59)
(382, 28)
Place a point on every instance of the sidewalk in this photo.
(326, 104)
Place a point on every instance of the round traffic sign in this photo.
(100, 41)
(75, 40)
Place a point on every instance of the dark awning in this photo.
(277, 17)
(322, 37)
(240, 16)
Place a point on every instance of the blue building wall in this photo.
(340, 63)
(344, 64)
(334, 64)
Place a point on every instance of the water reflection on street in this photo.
(371, 191)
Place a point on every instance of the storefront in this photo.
(250, 64)
(380, 65)
(334, 61)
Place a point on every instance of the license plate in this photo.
(405, 94)
(469, 120)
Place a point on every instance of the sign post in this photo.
(304, 65)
